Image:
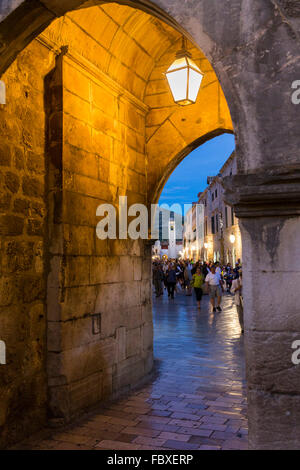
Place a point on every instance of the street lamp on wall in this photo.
(232, 238)
(184, 78)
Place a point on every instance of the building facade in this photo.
(168, 227)
(211, 231)
(193, 232)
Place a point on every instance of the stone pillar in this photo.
(99, 317)
(57, 385)
(268, 206)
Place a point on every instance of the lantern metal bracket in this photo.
(183, 52)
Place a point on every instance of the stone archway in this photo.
(83, 115)
(253, 48)
(179, 158)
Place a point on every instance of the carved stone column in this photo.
(268, 206)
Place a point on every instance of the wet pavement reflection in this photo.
(196, 400)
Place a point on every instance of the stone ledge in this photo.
(91, 71)
(275, 192)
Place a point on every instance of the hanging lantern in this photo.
(184, 78)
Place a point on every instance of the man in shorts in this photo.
(214, 283)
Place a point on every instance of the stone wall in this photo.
(271, 279)
(99, 308)
(23, 245)
(84, 99)
(71, 139)
(254, 49)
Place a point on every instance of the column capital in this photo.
(269, 192)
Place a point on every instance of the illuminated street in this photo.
(196, 401)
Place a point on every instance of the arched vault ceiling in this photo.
(135, 50)
(124, 43)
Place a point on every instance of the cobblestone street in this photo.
(196, 401)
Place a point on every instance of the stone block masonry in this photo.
(85, 366)
(74, 144)
(98, 122)
(23, 211)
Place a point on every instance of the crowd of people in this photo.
(204, 278)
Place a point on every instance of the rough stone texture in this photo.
(253, 47)
(89, 134)
(247, 42)
(277, 427)
(85, 366)
(22, 231)
(271, 280)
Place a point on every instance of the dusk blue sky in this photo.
(189, 178)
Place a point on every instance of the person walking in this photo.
(171, 281)
(188, 278)
(178, 276)
(197, 283)
(158, 277)
(218, 268)
(214, 284)
(165, 268)
(236, 270)
(237, 290)
(228, 277)
(205, 270)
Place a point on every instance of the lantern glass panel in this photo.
(178, 64)
(178, 84)
(191, 63)
(195, 80)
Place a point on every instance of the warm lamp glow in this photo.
(184, 78)
(232, 238)
(206, 245)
